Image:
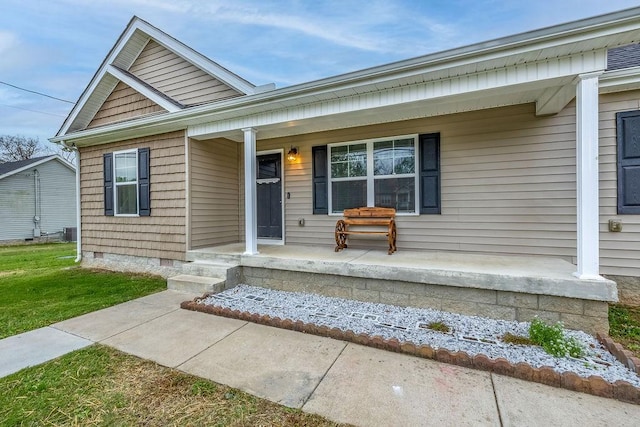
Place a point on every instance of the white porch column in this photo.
(587, 176)
(250, 208)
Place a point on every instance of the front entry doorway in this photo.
(269, 193)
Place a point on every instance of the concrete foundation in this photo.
(590, 316)
(500, 287)
(129, 263)
(628, 289)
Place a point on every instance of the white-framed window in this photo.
(125, 173)
(377, 172)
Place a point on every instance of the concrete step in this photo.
(207, 268)
(195, 284)
(196, 255)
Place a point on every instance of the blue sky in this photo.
(55, 46)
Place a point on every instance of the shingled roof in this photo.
(11, 168)
(8, 167)
(623, 57)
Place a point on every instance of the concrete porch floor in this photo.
(522, 274)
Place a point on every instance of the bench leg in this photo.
(341, 237)
(392, 238)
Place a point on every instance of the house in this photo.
(37, 198)
(513, 165)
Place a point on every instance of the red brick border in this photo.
(595, 385)
(623, 355)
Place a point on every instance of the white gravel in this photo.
(471, 334)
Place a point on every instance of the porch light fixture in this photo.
(292, 155)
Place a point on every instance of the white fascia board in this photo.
(264, 109)
(620, 80)
(34, 164)
(141, 88)
(97, 77)
(137, 24)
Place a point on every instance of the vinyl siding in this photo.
(17, 206)
(214, 190)
(161, 235)
(122, 104)
(177, 78)
(57, 201)
(508, 184)
(619, 252)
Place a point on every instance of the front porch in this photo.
(496, 286)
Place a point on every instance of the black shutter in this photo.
(108, 184)
(628, 135)
(144, 201)
(430, 173)
(320, 180)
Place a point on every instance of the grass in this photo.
(624, 326)
(516, 339)
(439, 327)
(101, 386)
(41, 285)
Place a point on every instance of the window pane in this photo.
(404, 165)
(398, 193)
(349, 161)
(127, 199)
(340, 170)
(339, 154)
(358, 160)
(394, 157)
(348, 194)
(383, 158)
(126, 168)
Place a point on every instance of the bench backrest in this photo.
(370, 213)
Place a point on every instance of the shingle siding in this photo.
(160, 235)
(124, 103)
(177, 78)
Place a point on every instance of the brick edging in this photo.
(595, 385)
(623, 355)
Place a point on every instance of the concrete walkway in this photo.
(341, 381)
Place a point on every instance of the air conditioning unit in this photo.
(70, 234)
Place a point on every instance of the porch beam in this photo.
(250, 206)
(588, 240)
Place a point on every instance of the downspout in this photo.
(36, 213)
(78, 213)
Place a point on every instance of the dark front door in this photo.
(269, 193)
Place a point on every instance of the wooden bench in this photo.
(367, 217)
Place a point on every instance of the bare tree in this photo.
(14, 148)
(66, 153)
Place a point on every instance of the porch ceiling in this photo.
(384, 109)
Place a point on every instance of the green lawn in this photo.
(624, 324)
(101, 386)
(41, 285)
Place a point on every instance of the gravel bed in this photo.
(471, 334)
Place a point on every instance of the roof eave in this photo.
(603, 26)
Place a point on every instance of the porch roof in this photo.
(539, 66)
(522, 274)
